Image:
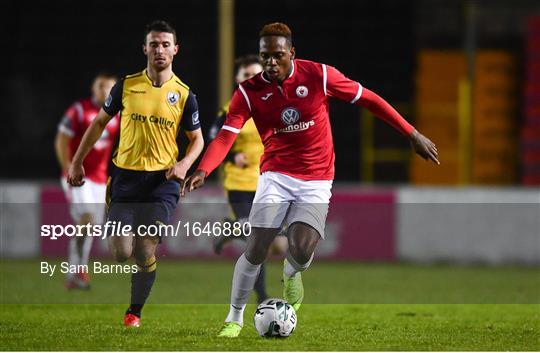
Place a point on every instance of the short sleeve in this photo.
(113, 103)
(190, 118)
(68, 124)
(239, 111)
(339, 86)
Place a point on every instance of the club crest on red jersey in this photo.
(290, 116)
(302, 91)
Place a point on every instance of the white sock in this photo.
(87, 246)
(245, 275)
(291, 267)
(73, 256)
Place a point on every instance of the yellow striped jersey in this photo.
(150, 119)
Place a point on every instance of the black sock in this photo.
(141, 284)
(260, 285)
(134, 309)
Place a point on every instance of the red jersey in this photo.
(293, 118)
(74, 124)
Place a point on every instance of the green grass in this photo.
(321, 327)
(351, 307)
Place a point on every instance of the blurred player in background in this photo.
(288, 102)
(241, 170)
(144, 186)
(87, 203)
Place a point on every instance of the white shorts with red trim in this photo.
(86, 199)
(282, 200)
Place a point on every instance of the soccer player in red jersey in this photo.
(289, 105)
(241, 172)
(87, 203)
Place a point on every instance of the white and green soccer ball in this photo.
(275, 318)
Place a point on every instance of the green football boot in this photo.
(293, 290)
(230, 330)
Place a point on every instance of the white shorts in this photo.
(86, 199)
(284, 199)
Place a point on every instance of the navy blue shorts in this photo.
(140, 197)
(240, 202)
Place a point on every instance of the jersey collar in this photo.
(145, 72)
(292, 70)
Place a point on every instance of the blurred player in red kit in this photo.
(289, 103)
(87, 203)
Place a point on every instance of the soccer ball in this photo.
(275, 318)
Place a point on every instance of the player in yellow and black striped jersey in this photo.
(150, 118)
(240, 171)
(154, 105)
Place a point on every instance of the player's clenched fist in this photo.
(193, 182)
(75, 175)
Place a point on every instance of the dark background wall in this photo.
(55, 48)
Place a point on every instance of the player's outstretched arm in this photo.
(239, 113)
(383, 110)
(90, 137)
(215, 154)
(338, 86)
(194, 149)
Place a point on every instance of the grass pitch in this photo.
(409, 308)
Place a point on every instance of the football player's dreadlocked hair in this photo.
(277, 29)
